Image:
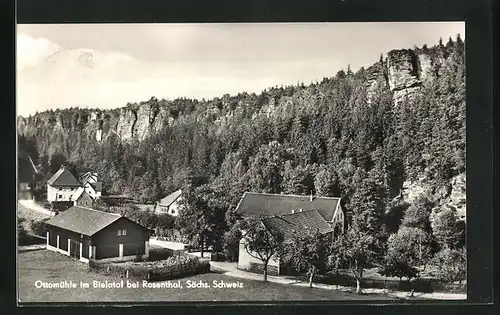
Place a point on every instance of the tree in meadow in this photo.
(261, 242)
(448, 230)
(407, 250)
(202, 218)
(451, 264)
(359, 252)
(308, 252)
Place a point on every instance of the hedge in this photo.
(156, 253)
(417, 285)
(172, 268)
(30, 239)
(39, 227)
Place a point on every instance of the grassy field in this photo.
(47, 266)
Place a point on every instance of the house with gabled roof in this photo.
(84, 233)
(91, 185)
(288, 215)
(65, 187)
(170, 204)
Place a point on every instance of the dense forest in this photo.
(354, 135)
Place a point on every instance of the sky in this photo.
(108, 65)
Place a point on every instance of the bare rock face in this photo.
(403, 69)
(376, 80)
(126, 123)
(457, 198)
(412, 190)
(407, 93)
(161, 118)
(144, 115)
(403, 74)
(452, 195)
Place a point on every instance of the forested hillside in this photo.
(380, 137)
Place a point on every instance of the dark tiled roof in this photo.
(168, 200)
(97, 186)
(63, 177)
(265, 205)
(83, 220)
(298, 222)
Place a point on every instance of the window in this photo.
(119, 232)
(122, 232)
(60, 196)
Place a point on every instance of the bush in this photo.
(172, 268)
(171, 235)
(29, 239)
(39, 227)
(159, 254)
(60, 206)
(218, 256)
(452, 265)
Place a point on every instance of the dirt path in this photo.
(32, 205)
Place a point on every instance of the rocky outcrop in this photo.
(452, 195)
(376, 79)
(403, 74)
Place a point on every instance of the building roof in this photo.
(266, 205)
(97, 186)
(63, 178)
(78, 193)
(298, 222)
(26, 169)
(83, 220)
(88, 177)
(168, 200)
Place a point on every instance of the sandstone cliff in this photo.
(404, 73)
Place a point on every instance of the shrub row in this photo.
(26, 239)
(162, 253)
(418, 285)
(171, 268)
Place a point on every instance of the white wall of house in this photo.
(60, 193)
(245, 259)
(91, 191)
(339, 217)
(175, 207)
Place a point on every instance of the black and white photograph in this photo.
(241, 162)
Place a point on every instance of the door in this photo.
(75, 249)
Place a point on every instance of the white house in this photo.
(170, 204)
(91, 185)
(287, 214)
(64, 186)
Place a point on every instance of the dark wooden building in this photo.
(85, 233)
